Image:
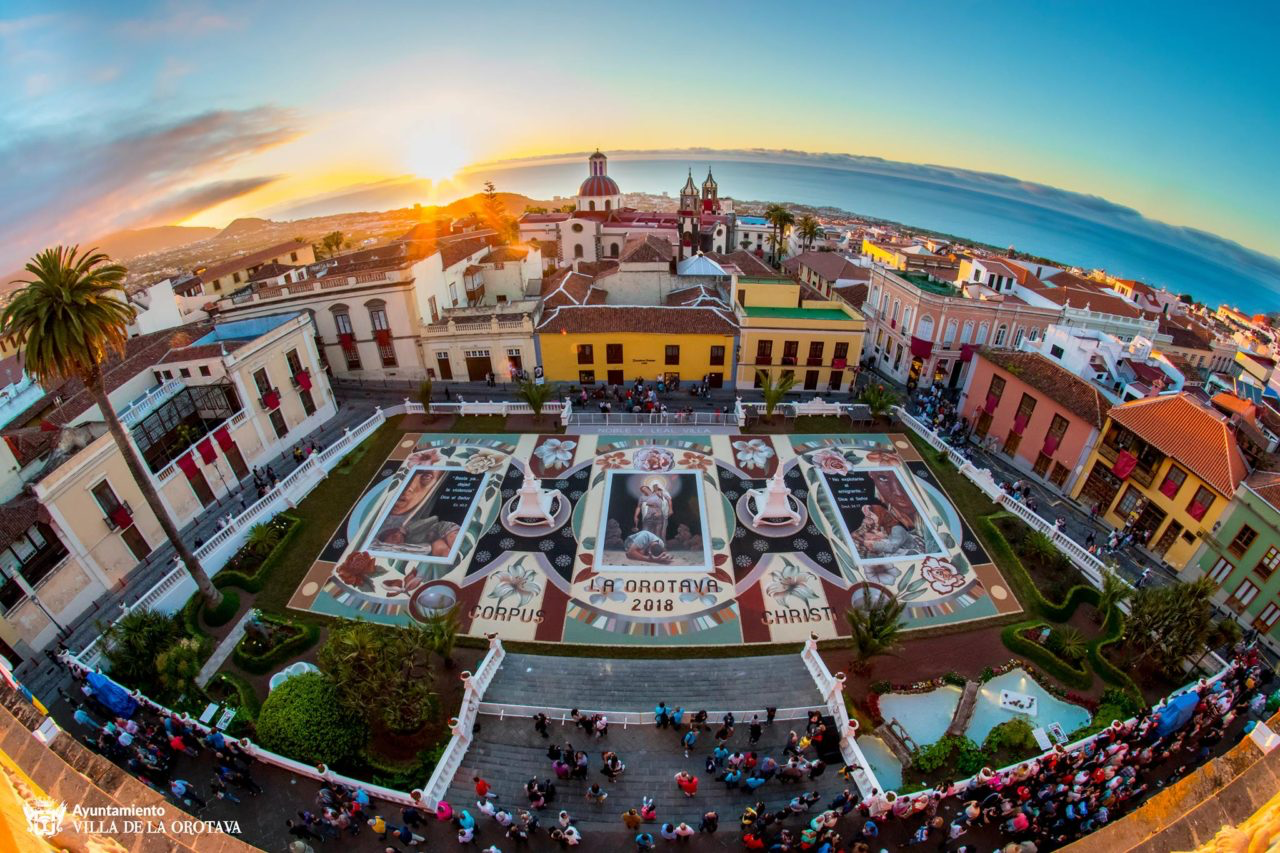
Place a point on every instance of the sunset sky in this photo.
(119, 114)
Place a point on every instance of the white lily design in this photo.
(754, 453)
(555, 453)
(518, 582)
(790, 581)
(482, 462)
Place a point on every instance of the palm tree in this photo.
(774, 390)
(879, 399)
(781, 219)
(809, 230)
(262, 537)
(332, 242)
(1040, 548)
(442, 627)
(67, 319)
(425, 387)
(535, 395)
(1113, 592)
(874, 626)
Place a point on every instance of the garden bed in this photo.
(251, 566)
(287, 639)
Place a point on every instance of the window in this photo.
(1267, 565)
(815, 352)
(1267, 618)
(262, 381)
(295, 363)
(577, 250)
(1056, 351)
(717, 355)
(1243, 596)
(1128, 501)
(587, 377)
(204, 370)
(585, 354)
(673, 354)
(613, 353)
(1220, 570)
(790, 351)
(1242, 541)
(106, 497)
(577, 227)
(435, 312)
(1017, 339)
(168, 374)
(235, 277)
(764, 352)
(453, 295)
(293, 256)
(343, 322)
(841, 353)
(1173, 481)
(1001, 332)
(1200, 505)
(308, 402)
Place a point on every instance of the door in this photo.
(1100, 488)
(200, 486)
(137, 544)
(956, 370)
(478, 368)
(715, 380)
(810, 380)
(1042, 465)
(1167, 538)
(1149, 521)
(446, 369)
(616, 377)
(237, 461)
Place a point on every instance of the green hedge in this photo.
(247, 705)
(1076, 596)
(303, 719)
(255, 581)
(402, 775)
(223, 613)
(289, 649)
(1081, 679)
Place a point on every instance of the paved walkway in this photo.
(224, 650)
(781, 681)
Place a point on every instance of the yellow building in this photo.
(787, 327)
(1166, 467)
(886, 254)
(616, 344)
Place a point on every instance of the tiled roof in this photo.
(697, 295)
(1183, 337)
(1267, 486)
(454, 251)
(831, 266)
(17, 515)
(747, 262)
(999, 267)
(565, 287)
(1195, 435)
(270, 271)
(10, 370)
(646, 249)
(655, 319)
(1073, 291)
(231, 265)
(598, 269)
(502, 254)
(1054, 381)
(1147, 373)
(854, 294)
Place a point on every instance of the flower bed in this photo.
(289, 639)
(248, 569)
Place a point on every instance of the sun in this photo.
(437, 158)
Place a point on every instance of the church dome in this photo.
(599, 185)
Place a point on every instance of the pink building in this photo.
(1040, 415)
(922, 331)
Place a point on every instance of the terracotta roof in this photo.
(830, 266)
(598, 269)
(698, 296)
(1194, 434)
(747, 262)
(565, 287)
(655, 319)
(454, 251)
(999, 267)
(549, 249)
(1147, 373)
(502, 254)
(1183, 337)
(1057, 383)
(854, 294)
(10, 370)
(1267, 486)
(1073, 291)
(646, 248)
(17, 515)
(231, 265)
(270, 271)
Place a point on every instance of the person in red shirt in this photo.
(687, 782)
(483, 789)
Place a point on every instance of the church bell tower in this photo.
(690, 218)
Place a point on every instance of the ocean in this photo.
(1076, 230)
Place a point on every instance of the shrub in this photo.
(987, 674)
(287, 528)
(959, 753)
(177, 668)
(1012, 637)
(226, 609)
(303, 720)
(955, 678)
(246, 698)
(407, 775)
(132, 643)
(873, 710)
(1068, 644)
(260, 663)
(1013, 735)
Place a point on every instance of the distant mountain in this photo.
(130, 243)
(242, 226)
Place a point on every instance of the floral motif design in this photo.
(653, 459)
(706, 599)
(800, 544)
(482, 462)
(941, 575)
(516, 581)
(555, 453)
(882, 573)
(884, 457)
(358, 569)
(760, 545)
(546, 545)
(617, 459)
(830, 461)
(689, 459)
(506, 543)
(791, 581)
(753, 453)
(597, 595)
(823, 557)
(483, 557)
(428, 456)
(563, 560)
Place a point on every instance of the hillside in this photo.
(133, 242)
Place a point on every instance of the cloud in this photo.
(73, 186)
(179, 19)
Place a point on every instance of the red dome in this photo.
(599, 185)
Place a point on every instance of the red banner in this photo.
(382, 336)
(347, 340)
(1196, 511)
(967, 351)
(188, 465)
(1169, 487)
(920, 348)
(303, 378)
(992, 402)
(1019, 423)
(271, 400)
(120, 515)
(222, 435)
(207, 453)
(1050, 445)
(1125, 463)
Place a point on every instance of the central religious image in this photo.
(653, 521)
(423, 521)
(879, 517)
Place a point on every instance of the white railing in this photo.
(149, 402)
(832, 689)
(463, 726)
(476, 407)
(653, 419)
(626, 719)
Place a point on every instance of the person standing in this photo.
(540, 724)
(710, 823)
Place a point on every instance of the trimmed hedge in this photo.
(247, 705)
(403, 775)
(290, 648)
(256, 581)
(303, 719)
(1081, 679)
(223, 613)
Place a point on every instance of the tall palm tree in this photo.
(773, 390)
(809, 230)
(781, 219)
(535, 395)
(875, 626)
(66, 320)
(1113, 592)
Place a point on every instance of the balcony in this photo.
(270, 399)
(155, 397)
(182, 421)
(763, 361)
(119, 517)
